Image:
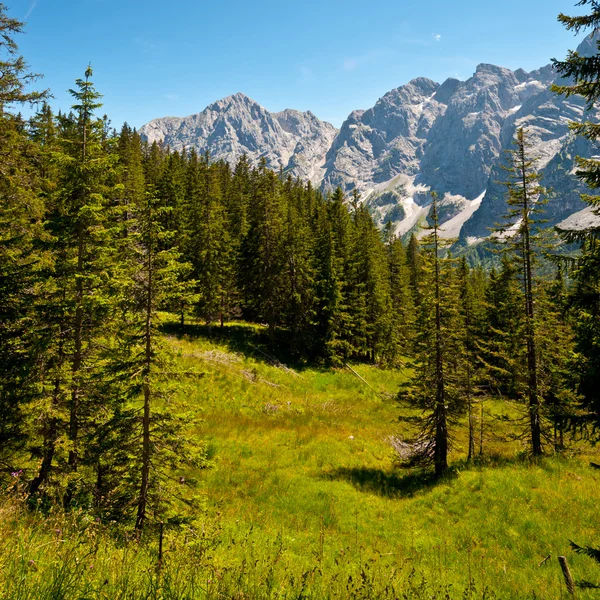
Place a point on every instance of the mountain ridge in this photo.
(422, 136)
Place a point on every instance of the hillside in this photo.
(302, 500)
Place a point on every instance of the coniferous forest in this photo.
(141, 287)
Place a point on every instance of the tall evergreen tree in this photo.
(74, 296)
(520, 235)
(262, 254)
(334, 313)
(300, 309)
(402, 296)
(370, 282)
(149, 441)
(583, 79)
(21, 214)
(436, 385)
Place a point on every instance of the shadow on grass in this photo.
(251, 340)
(499, 461)
(387, 484)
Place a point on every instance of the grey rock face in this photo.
(545, 116)
(374, 146)
(450, 138)
(313, 139)
(463, 146)
(237, 125)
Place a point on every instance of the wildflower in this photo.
(17, 473)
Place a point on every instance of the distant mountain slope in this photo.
(237, 125)
(450, 138)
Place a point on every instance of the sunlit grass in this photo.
(304, 501)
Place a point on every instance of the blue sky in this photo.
(156, 58)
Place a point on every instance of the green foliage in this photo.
(582, 74)
(436, 388)
(291, 493)
(520, 346)
(107, 423)
(21, 217)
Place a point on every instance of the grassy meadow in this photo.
(303, 500)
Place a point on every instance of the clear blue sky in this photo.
(156, 58)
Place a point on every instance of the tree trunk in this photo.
(532, 379)
(145, 479)
(471, 453)
(440, 416)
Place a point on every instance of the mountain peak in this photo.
(424, 84)
(237, 125)
(420, 136)
(234, 100)
(486, 68)
(589, 45)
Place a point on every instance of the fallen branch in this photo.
(276, 363)
(382, 396)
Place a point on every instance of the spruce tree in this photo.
(370, 299)
(299, 270)
(74, 293)
(520, 237)
(21, 215)
(436, 386)
(149, 444)
(334, 313)
(583, 79)
(262, 252)
(402, 297)
(468, 307)
(211, 243)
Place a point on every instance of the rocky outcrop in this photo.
(237, 125)
(420, 137)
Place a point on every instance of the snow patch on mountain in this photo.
(451, 138)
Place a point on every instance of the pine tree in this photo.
(436, 385)
(75, 301)
(211, 261)
(413, 259)
(584, 75)
(172, 191)
(334, 316)
(468, 304)
(21, 214)
(262, 254)
(559, 360)
(520, 238)
(371, 299)
(300, 308)
(499, 348)
(402, 297)
(148, 441)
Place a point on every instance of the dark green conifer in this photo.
(21, 215)
(583, 79)
(436, 386)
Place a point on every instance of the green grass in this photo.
(304, 501)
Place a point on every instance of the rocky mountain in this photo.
(236, 125)
(450, 138)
